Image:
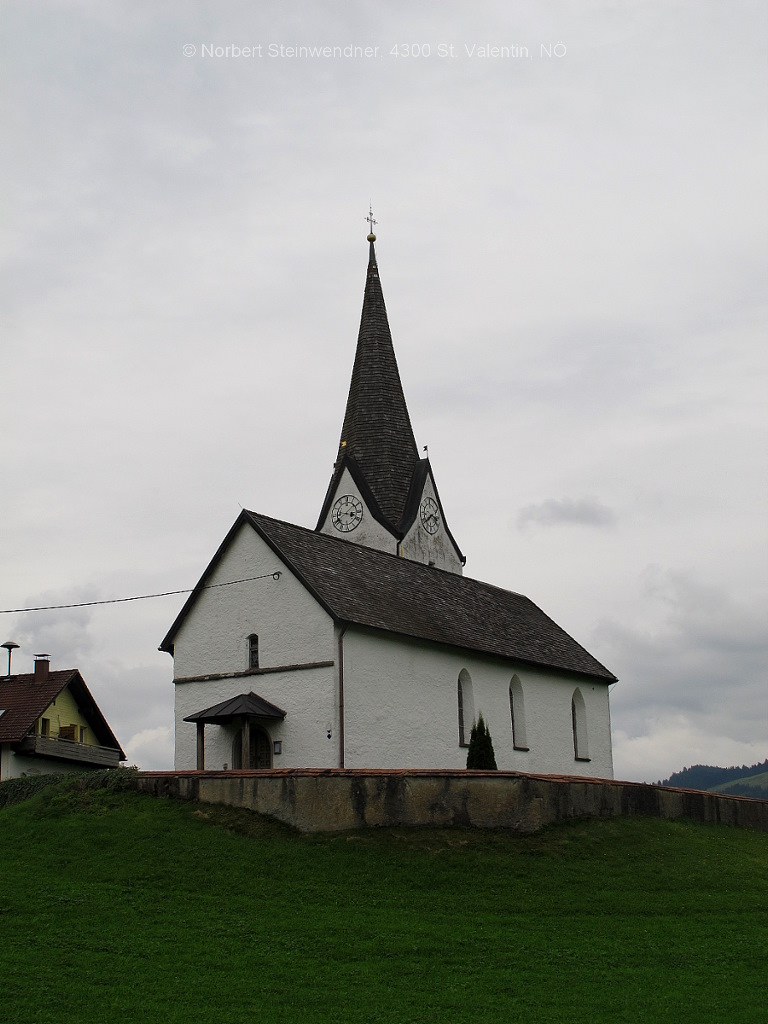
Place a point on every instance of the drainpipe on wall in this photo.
(341, 696)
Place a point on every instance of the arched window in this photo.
(517, 714)
(466, 707)
(253, 651)
(579, 726)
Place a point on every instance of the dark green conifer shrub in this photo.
(480, 753)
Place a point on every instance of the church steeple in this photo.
(377, 430)
(378, 475)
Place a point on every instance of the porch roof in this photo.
(248, 704)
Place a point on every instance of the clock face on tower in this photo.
(430, 515)
(347, 513)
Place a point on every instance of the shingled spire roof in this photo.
(377, 435)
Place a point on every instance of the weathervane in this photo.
(371, 222)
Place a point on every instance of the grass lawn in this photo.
(119, 906)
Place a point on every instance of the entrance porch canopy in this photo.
(242, 708)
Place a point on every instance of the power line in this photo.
(141, 597)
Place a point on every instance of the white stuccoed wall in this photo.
(308, 697)
(292, 627)
(293, 630)
(400, 695)
(401, 709)
(13, 766)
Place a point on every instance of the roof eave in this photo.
(167, 643)
(95, 712)
(608, 679)
(290, 564)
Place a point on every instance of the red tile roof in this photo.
(23, 699)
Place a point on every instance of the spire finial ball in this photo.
(371, 237)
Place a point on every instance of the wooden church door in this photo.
(261, 748)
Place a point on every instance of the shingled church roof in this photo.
(376, 435)
(374, 589)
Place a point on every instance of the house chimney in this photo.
(42, 663)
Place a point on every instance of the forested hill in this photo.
(744, 781)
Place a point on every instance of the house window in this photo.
(579, 726)
(45, 727)
(82, 734)
(253, 651)
(517, 714)
(466, 707)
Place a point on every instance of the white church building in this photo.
(361, 644)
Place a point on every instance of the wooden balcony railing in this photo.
(69, 750)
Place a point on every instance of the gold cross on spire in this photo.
(371, 222)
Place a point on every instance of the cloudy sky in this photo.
(571, 209)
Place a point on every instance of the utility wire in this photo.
(141, 597)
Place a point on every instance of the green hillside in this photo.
(722, 780)
(116, 905)
(753, 785)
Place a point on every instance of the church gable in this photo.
(248, 596)
(351, 512)
(426, 536)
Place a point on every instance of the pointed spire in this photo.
(377, 432)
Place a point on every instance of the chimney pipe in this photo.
(42, 664)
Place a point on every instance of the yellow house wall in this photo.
(64, 711)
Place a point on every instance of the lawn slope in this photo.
(115, 905)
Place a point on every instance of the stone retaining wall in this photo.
(335, 800)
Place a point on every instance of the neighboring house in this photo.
(367, 645)
(49, 722)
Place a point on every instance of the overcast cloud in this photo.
(573, 254)
(553, 512)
